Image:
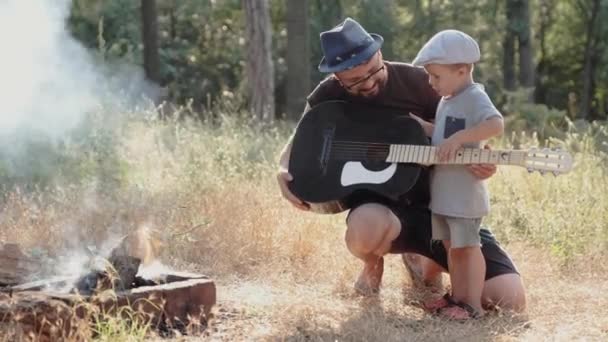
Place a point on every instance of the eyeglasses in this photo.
(365, 79)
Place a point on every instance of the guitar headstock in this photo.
(548, 160)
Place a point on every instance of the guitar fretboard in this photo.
(428, 155)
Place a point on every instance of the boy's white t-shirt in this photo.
(455, 191)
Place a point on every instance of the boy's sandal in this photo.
(459, 312)
(436, 304)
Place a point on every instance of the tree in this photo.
(149, 24)
(324, 14)
(545, 22)
(508, 61)
(259, 66)
(298, 52)
(518, 31)
(591, 55)
(526, 53)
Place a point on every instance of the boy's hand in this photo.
(447, 149)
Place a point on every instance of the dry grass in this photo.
(286, 275)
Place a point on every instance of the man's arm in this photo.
(286, 151)
(284, 177)
(482, 171)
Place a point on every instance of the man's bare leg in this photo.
(424, 272)
(371, 229)
(506, 291)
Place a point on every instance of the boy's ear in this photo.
(465, 69)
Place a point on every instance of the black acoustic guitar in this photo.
(341, 148)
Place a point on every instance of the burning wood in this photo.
(168, 300)
(119, 271)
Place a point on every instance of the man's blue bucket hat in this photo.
(346, 46)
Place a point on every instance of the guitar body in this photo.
(340, 149)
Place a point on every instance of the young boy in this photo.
(465, 117)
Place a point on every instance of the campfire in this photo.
(59, 307)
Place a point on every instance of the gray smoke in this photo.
(48, 80)
(54, 95)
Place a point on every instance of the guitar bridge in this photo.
(328, 137)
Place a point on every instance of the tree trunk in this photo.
(149, 23)
(508, 60)
(526, 54)
(260, 70)
(298, 55)
(588, 61)
(545, 17)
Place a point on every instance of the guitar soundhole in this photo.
(359, 151)
(376, 153)
(375, 157)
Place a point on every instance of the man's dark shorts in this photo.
(415, 237)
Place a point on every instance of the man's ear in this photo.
(338, 79)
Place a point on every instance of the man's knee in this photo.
(368, 226)
(506, 291)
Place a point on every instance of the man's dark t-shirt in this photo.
(407, 89)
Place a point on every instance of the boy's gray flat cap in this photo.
(448, 47)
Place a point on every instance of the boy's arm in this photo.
(428, 127)
(484, 130)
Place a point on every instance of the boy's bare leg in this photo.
(467, 273)
(371, 229)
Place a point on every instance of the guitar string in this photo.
(364, 147)
(463, 157)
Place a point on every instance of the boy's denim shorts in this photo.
(461, 232)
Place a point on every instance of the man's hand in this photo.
(482, 171)
(284, 177)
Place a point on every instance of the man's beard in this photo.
(378, 87)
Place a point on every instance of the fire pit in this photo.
(169, 300)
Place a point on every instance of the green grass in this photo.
(209, 190)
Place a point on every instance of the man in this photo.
(375, 225)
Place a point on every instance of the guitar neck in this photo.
(427, 155)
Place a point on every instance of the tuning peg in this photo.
(555, 173)
(530, 170)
